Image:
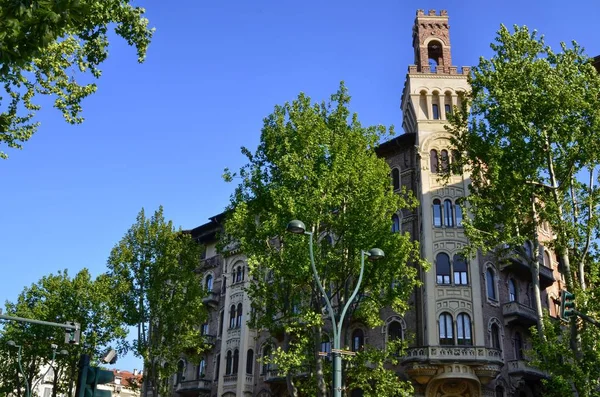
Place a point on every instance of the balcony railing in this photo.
(522, 368)
(194, 385)
(522, 269)
(209, 339)
(466, 354)
(209, 263)
(515, 312)
(212, 298)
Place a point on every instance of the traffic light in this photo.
(72, 335)
(90, 377)
(567, 305)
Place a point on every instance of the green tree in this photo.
(317, 163)
(153, 274)
(58, 298)
(45, 45)
(529, 137)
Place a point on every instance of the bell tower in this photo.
(431, 42)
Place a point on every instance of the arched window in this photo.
(250, 362)
(436, 111)
(395, 223)
(490, 282)
(495, 335)
(238, 320)
(358, 339)
(458, 214)
(455, 159)
(437, 213)
(201, 369)
(446, 329)
(394, 331)
(434, 162)
(499, 391)
(221, 321)
(232, 316)
(463, 329)
(326, 345)
(435, 54)
(512, 291)
(547, 260)
(217, 366)
(461, 276)
(266, 365)
(180, 371)
(448, 214)
(224, 285)
(239, 274)
(444, 160)
(209, 283)
(228, 363)
(396, 178)
(518, 346)
(236, 361)
(442, 268)
(528, 250)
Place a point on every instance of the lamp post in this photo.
(12, 343)
(298, 227)
(19, 348)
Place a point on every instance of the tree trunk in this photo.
(289, 380)
(535, 270)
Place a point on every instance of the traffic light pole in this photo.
(73, 329)
(587, 318)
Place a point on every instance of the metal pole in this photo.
(337, 325)
(28, 320)
(27, 393)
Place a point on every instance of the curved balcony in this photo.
(477, 355)
(518, 313)
(190, 386)
(521, 368)
(523, 271)
(211, 299)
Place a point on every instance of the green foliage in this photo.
(317, 163)
(45, 44)
(58, 298)
(156, 289)
(529, 137)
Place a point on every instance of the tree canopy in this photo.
(529, 137)
(156, 289)
(58, 298)
(317, 163)
(47, 46)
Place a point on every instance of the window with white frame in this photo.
(463, 329)
(446, 329)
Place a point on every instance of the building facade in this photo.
(470, 318)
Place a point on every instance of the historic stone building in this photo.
(470, 318)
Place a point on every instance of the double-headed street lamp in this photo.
(298, 227)
(54, 347)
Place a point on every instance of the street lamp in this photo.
(298, 227)
(12, 343)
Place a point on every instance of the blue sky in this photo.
(162, 132)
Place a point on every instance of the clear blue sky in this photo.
(162, 132)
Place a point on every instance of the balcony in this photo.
(521, 368)
(464, 354)
(274, 376)
(518, 313)
(210, 340)
(211, 299)
(209, 263)
(190, 386)
(523, 271)
(546, 277)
